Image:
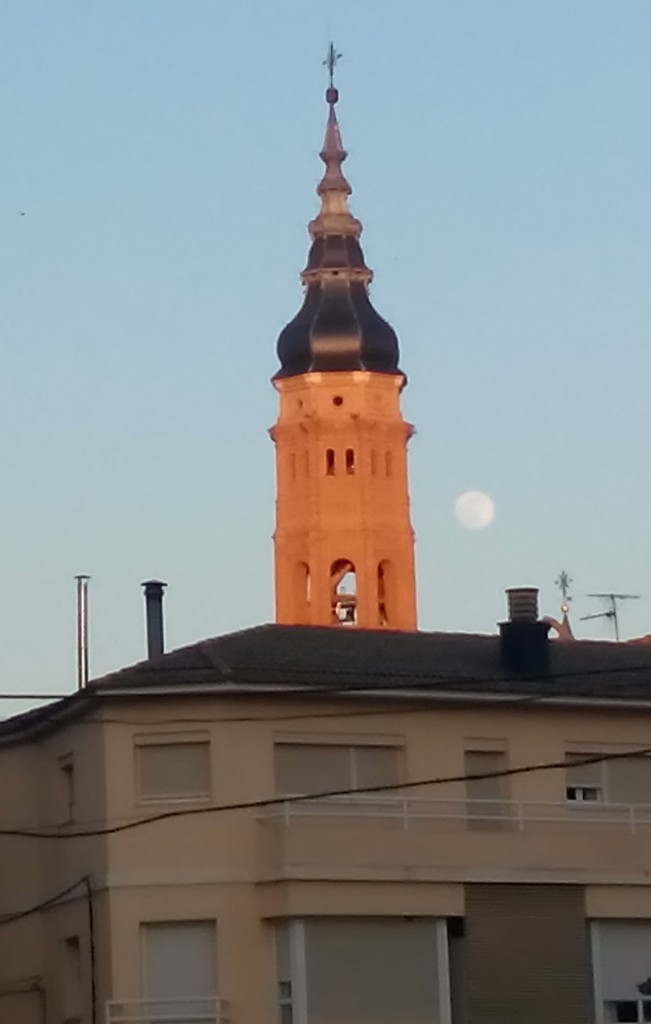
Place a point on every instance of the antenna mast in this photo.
(612, 609)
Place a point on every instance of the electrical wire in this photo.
(281, 801)
(92, 948)
(45, 904)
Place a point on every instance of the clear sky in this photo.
(159, 159)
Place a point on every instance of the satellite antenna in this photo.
(611, 611)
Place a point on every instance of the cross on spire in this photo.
(331, 63)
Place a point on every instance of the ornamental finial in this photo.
(330, 63)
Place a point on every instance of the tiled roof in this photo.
(311, 660)
(321, 657)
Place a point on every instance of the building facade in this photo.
(322, 826)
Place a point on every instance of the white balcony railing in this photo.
(206, 1010)
(410, 812)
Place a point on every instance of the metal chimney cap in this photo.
(153, 585)
(523, 604)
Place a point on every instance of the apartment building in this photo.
(306, 825)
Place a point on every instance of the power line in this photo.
(45, 904)
(277, 801)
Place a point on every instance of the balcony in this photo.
(206, 1010)
(395, 837)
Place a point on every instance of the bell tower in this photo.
(344, 544)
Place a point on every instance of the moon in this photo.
(474, 510)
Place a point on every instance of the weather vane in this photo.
(563, 583)
(331, 63)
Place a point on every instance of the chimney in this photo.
(82, 630)
(154, 590)
(524, 646)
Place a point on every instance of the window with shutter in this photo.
(173, 771)
(179, 970)
(362, 971)
(487, 791)
(584, 782)
(316, 767)
(622, 970)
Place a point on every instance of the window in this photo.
(350, 461)
(622, 970)
(584, 783)
(388, 463)
(486, 806)
(67, 788)
(317, 767)
(362, 970)
(285, 1002)
(292, 465)
(302, 591)
(628, 780)
(343, 593)
(71, 980)
(628, 1010)
(172, 770)
(373, 459)
(330, 462)
(179, 970)
(624, 780)
(385, 592)
(284, 976)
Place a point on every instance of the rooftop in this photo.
(309, 661)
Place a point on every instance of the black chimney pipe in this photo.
(154, 590)
(524, 646)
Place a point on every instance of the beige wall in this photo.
(247, 868)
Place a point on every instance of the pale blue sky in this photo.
(164, 154)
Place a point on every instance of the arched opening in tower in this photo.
(343, 593)
(302, 591)
(385, 586)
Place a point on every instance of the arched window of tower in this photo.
(292, 463)
(306, 462)
(330, 462)
(373, 462)
(343, 593)
(388, 463)
(303, 587)
(385, 592)
(350, 461)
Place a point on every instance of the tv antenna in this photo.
(611, 611)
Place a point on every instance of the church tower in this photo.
(344, 544)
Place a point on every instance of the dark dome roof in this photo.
(337, 328)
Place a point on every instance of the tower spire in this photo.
(334, 217)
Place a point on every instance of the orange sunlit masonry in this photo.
(344, 543)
